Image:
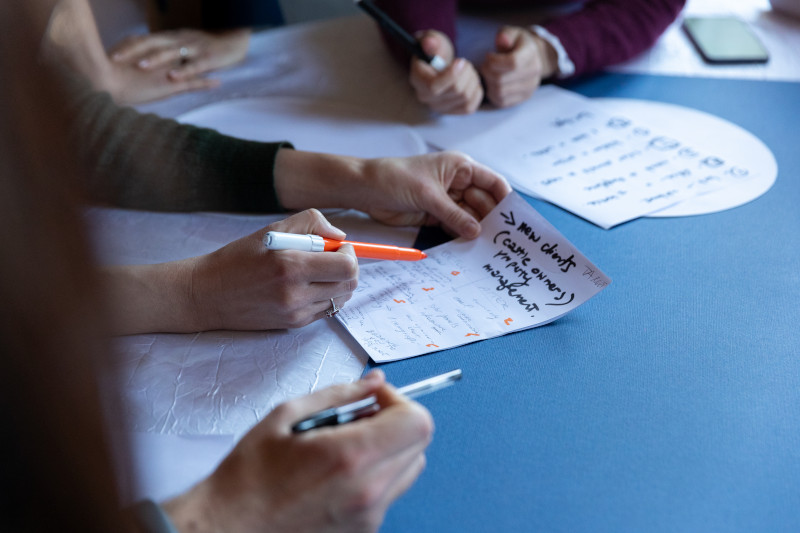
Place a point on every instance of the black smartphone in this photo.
(724, 40)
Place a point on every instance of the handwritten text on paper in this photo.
(518, 274)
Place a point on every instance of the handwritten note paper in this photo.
(567, 149)
(520, 273)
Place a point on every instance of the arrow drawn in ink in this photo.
(509, 218)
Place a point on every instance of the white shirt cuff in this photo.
(565, 66)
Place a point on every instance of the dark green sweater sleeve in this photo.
(140, 161)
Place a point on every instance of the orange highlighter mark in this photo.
(432, 345)
(455, 272)
(472, 335)
(508, 321)
(398, 301)
(428, 289)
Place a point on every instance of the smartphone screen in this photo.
(724, 39)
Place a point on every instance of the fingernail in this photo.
(144, 63)
(174, 74)
(116, 57)
(474, 228)
(459, 64)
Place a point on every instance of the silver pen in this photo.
(334, 416)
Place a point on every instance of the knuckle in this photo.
(284, 269)
(366, 498)
(286, 298)
(348, 461)
(351, 270)
(315, 215)
(297, 318)
(351, 286)
(285, 411)
(320, 449)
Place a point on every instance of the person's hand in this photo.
(244, 286)
(130, 85)
(455, 90)
(446, 188)
(514, 72)
(157, 65)
(189, 52)
(326, 480)
(241, 286)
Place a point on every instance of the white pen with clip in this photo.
(355, 410)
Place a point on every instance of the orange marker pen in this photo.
(276, 240)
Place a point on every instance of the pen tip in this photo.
(423, 255)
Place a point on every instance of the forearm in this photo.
(148, 162)
(306, 179)
(73, 38)
(152, 298)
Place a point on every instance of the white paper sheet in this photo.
(727, 140)
(602, 164)
(309, 124)
(520, 273)
(220, 382)
(164, 466)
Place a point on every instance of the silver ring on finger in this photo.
(333, 311)
(183, 52)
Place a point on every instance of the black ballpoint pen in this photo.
(355, 410)
(394, 29)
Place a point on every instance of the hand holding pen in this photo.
(276, 240)
(334, 416)
(444, 84)
(455, 90)
(334, 480)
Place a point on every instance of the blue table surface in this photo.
(671, 401)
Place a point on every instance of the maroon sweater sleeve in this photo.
(418, 15)
(601, 33)
(605, 32)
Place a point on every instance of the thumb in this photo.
(308, 221)
(335, 395)
(452, 217)
(431, 43)
(506, 39)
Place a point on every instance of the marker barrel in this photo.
(367, 250)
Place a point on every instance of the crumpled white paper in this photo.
(219, 382)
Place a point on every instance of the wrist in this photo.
(153, 298)
(308, 179)
(192, 511)
(548, 57)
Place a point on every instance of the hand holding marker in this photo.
(276, 240)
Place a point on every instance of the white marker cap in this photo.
(276, 240)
